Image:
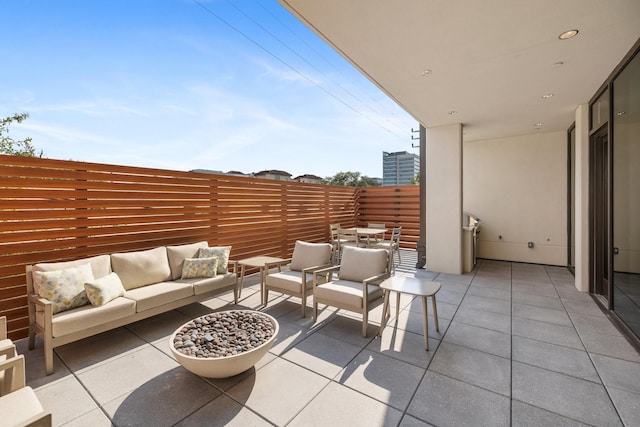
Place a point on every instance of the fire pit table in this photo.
(225, 343)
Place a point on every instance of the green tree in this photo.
(351, 179)
(16, 148)
(415, 180)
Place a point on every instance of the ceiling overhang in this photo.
(489, 64)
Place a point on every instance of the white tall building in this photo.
(399, 168)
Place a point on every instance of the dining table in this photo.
(367, 233)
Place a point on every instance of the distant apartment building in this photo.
(309, 179)
(399, 168)
(274, 174)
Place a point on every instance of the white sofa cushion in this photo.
(177, 255)
(341, 292)
(199, 267)
(64, 288)
(202, 286)
(141, 268)
(104, 289)
(307, 255)
(88, 316)
(100, 266)
(289, 281)
(358, 264)
(148, 297)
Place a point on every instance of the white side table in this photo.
(412, 286)
(256, 262)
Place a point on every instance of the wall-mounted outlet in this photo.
(530, 245)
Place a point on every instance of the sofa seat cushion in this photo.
(346, 292)
(204, 285)
(289, 281)
(88, 316)
(148, 297)
(141, 268)
(177, 255)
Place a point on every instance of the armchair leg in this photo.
(304, 307)
(365, 323)
(315, 312)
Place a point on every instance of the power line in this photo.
(286, 64)
(326, 60)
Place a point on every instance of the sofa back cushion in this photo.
(100, 267)
(307, 255)
(358, 264)
(177, 255)
(141, 268)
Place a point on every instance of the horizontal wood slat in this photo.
(57, 210)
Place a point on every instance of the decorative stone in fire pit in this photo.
(225, 343)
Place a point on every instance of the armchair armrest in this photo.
(269, 265)
(310, 270)
(375, 280)
(14, 377)
(327, 272)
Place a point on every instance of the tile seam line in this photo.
(606, 389)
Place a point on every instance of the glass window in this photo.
(626, 195)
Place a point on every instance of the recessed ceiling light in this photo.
(568, 34)
(547, 95)
(426, 72)
(538, 125)
(452, 112)
(621, 113)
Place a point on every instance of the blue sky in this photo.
(177, 84)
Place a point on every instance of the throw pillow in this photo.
(199, 267)
(104, 289)
(220, 252)
(64, 288)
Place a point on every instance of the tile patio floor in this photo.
(518, 345)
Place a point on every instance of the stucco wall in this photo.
(518, 188)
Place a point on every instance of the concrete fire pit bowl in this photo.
(225, 343)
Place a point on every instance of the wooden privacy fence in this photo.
(53, 210)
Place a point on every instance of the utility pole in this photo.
(421, 246)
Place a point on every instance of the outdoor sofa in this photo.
(121, 288)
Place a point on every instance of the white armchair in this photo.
(297, 278)
(356, 288)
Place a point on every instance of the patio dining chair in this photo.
(392, 245)
(345, 237)
(375, 239)
(355, 288)
(294, 276)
